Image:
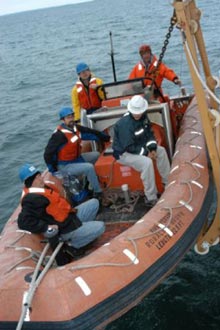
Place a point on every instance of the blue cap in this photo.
(26, 171)
(65, 112)
(81, 67)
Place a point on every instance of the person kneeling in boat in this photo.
(134, 145)
(42, 209)
(85, 95)
(63, 151)
(147, 68)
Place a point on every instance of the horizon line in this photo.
(41, 8)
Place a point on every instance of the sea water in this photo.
(38, 54)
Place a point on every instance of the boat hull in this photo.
(91, 292)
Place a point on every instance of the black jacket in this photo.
(34, 218)
(133, 136)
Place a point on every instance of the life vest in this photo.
(88, 99)
(58, 207)
(72, 149)
(140, 71)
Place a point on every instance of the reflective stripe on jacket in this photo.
(71, 149)
(88, 99)
(58, 207)
(140, 71)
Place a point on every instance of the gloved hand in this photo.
(177, 81)
(104, 137)
(152, 146)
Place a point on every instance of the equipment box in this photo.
(112, 174)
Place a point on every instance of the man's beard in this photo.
(71, 124)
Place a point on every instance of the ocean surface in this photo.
(38, 54)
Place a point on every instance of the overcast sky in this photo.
(14, 6)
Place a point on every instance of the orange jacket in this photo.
(87, 99)
(70, 150)
(58, 207)
(140, 71)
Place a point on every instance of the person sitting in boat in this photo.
(84, 94)
(43, 209)
(134, 145)
(147, 68)
(63, 151)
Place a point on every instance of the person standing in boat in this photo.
(85, 96)
(44, 209)
(63, 151)
(148, 68)
(134, 145)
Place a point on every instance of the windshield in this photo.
(123, 88)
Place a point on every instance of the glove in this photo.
(104, 137)
(151, 146)
(176, 81)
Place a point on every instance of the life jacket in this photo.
(58, 207)
(72, 149)
(140, 71)
(89, 99)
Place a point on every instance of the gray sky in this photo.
(13, 6)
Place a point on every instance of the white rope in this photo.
(199, 76)
(26, 304)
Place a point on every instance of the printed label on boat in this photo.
(161, 237)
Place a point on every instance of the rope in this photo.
(127, 207)
(26, 306)
(198, 74)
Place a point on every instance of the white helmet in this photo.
(137, 105)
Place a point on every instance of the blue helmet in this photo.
(26, 171)
(81, 67)
(65, 112)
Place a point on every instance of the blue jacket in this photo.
(133, 136)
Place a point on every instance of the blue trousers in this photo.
(90, 229)
(84, 168)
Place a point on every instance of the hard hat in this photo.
(81, 67)
(144, 48)
(137, 105)
(65, 112)
(26, 171)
